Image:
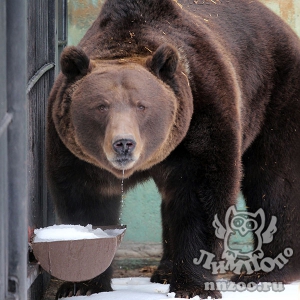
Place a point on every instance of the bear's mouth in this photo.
(123, 163)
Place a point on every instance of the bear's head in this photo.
(123, 115)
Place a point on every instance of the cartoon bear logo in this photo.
(244, 223)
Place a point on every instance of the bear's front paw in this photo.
(69, 289)
(188, 293)
(163, 273)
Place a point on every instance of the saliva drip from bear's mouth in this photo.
(123, 163)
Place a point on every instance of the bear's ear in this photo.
(74, 62)
(164, 61)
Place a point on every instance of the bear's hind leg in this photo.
(272, 182)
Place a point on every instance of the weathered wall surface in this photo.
(288, 10)
(81, 14)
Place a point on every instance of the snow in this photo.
(140, 288)
(72, 232)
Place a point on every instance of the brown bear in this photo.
(201, 96)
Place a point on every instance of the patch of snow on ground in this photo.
(140, 288)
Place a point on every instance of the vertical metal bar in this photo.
(2, 60)
(3, 157)
(17, 147)
(52, 52)
(62, 28)
(41, 57)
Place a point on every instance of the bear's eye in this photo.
(102, 107)
(141, 107)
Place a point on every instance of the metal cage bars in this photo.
(32, 35)
(13, 153)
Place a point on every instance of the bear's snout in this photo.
(124, 146)
(123, 154)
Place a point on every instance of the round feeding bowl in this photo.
(79, 260)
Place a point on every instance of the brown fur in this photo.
(205, 99)
(69, 120)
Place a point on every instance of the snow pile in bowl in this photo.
(76, 253)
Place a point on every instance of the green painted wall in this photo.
(288, 10)
(141, 210)
(81, 14)
(141, 213)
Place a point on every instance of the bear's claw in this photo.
(200, 292)
(69, 289)
(161, 277)
(163, 273)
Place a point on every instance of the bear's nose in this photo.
(124, 146)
